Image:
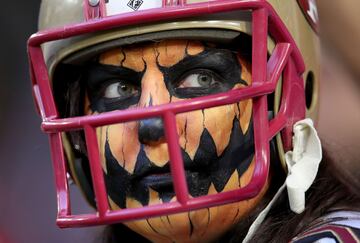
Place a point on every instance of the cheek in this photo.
(244, 113)
(123, 142)
(219, 122)
(190, 127)
(224, 217)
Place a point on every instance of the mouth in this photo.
(160, 179)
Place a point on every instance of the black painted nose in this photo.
(151, 130)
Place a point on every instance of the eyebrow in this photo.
(98, 74)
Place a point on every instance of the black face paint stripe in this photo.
(163, 221)
(191, 225)
(185, 134)
(153, 229)
(208, 221)
(236, 215)
(124, 59)
(157, 54)
(209, 217)
(168, 219)
(203, 117)
(157, 232)
(145, 65)
(117, 179)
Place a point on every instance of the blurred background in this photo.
(27, 195)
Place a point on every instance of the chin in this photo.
(204, 225)
(196, 226)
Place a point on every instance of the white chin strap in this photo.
(303, 164)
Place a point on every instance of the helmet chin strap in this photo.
(303, 164)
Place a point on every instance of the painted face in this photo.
(217, 143)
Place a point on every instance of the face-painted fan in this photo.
(165, 110)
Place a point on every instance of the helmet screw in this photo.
(94, 3)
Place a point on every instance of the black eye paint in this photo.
(220, 64)
(99, 76)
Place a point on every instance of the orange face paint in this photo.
(217, 143)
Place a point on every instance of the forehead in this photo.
(165, 53)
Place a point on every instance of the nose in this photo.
(151, 131)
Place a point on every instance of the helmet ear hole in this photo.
(82, 170)
(78, 164)
(309, 89)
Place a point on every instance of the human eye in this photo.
(199, 79)
(199, 82)
(111, 87)
(211, 72)
(120, 90)
(114, 95)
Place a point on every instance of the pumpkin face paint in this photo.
(217, 144)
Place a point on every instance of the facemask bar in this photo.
(265, 75)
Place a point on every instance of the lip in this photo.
(163, 182)
(158, 181)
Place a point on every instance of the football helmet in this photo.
(282, 49)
